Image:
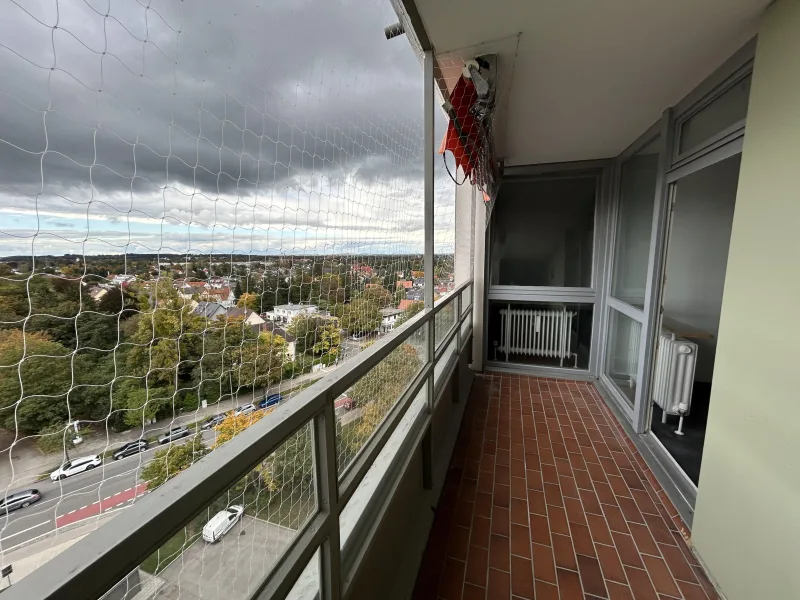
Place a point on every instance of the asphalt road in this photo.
(111, 485)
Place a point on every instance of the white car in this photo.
(75, 466)
(221, 523)
(245, 409)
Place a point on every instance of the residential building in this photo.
(210, 310)
(286, 313)
(250, 317)
(389, 318)
(273, 328)
(223, 295)
(121, 280)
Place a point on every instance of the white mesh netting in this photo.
(204, 207)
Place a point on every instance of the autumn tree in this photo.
(360, 316)
(232, 425)
(315, 335)
(249, 300)
(376, 294)
(377, 391)
(413, 309)
(167, 463)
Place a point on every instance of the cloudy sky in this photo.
(241, 126)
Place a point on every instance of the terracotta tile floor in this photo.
(546, 497)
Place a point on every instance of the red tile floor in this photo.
(547, 498)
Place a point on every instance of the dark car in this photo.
(19, 500)
(175, 433)
(131, 448)
(213, 421)
(270, 400)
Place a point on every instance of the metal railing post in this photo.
(328, 494)
(428, 80)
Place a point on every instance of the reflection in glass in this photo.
(727, 110)
(637, 194)
(622, 354)
(542, 232)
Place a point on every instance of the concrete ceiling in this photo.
(584, 78)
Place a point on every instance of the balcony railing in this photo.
(337, 507)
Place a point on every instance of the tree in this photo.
(55, 438)
(328, 342)
(167, 463)
(233, 425)
(377, 294)
(35, 378)
(413, 309)
(360, 316)
(248, 300)
(314, 335)
(377, 391)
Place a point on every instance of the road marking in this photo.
(6, 537)
(82, 507)
(127, 489)
(109, 497)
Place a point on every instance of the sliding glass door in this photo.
(627, 293)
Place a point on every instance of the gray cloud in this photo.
(229, 108)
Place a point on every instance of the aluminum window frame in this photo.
(601, 171)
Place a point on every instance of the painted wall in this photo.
(747, 520)
(698, 255)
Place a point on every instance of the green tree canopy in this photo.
(167, 463)
(360, 316)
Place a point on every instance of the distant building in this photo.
(209, 310)
(286, 313)
(222, 295)
(415, 294)
(405, 304)
(97, 293)
(250, 317)
(122, 280)
(389, 318)
(275, 329)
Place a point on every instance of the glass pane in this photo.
(356, 508)
(363, 407)
(307, 585)
(233, 544)
(444, 359)
(728, 109)
(637, 194)
(548, 334)
(542, 233)
(622, 356)
(443, 322)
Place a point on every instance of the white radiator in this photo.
(674, 374)
(545, 333)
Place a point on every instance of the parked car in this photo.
(221, 523)
(131, 448)
(270, 400)
(78, 465)
(245, 409)
(175, 433)
(19, 500)
(212, 422)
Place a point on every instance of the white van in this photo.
(221, 523)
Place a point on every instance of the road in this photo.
(112, 485)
